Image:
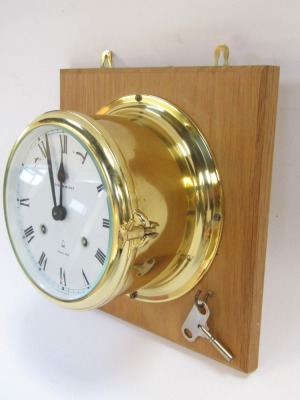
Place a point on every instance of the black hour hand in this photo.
(59, 212)
(61, 176)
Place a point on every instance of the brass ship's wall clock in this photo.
(149, 185)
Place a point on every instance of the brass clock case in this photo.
(176, 184)
(164, 192)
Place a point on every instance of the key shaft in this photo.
(217, 345)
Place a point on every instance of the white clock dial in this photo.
(58, 213)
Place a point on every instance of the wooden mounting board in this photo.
(235, 108)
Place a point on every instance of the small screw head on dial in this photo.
(84, 242)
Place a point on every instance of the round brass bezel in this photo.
(114, 279)
(202, 184)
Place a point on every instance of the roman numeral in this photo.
(105, 223)
(29, 233)
(43, 148)
(24, 202)
(62, 277)
(86, 282)
(43, 261)
(100, 256)
(99, 188)
(63, 143)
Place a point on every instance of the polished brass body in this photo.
(165, 193)
(176, 184)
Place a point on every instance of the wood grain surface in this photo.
(235, 108)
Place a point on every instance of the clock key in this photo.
(204, 333)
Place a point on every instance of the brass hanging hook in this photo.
(222, 48)
(106, 56)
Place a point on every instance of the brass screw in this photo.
(217, 217)
(138, 97)
(133, 295)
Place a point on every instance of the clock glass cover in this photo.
(58, 212)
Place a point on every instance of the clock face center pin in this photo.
(59, 213)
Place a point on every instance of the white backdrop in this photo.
(50, 353)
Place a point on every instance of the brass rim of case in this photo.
(169, 267)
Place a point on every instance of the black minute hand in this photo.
(50, 170)
(61, 176)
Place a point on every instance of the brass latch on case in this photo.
(141, 232)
